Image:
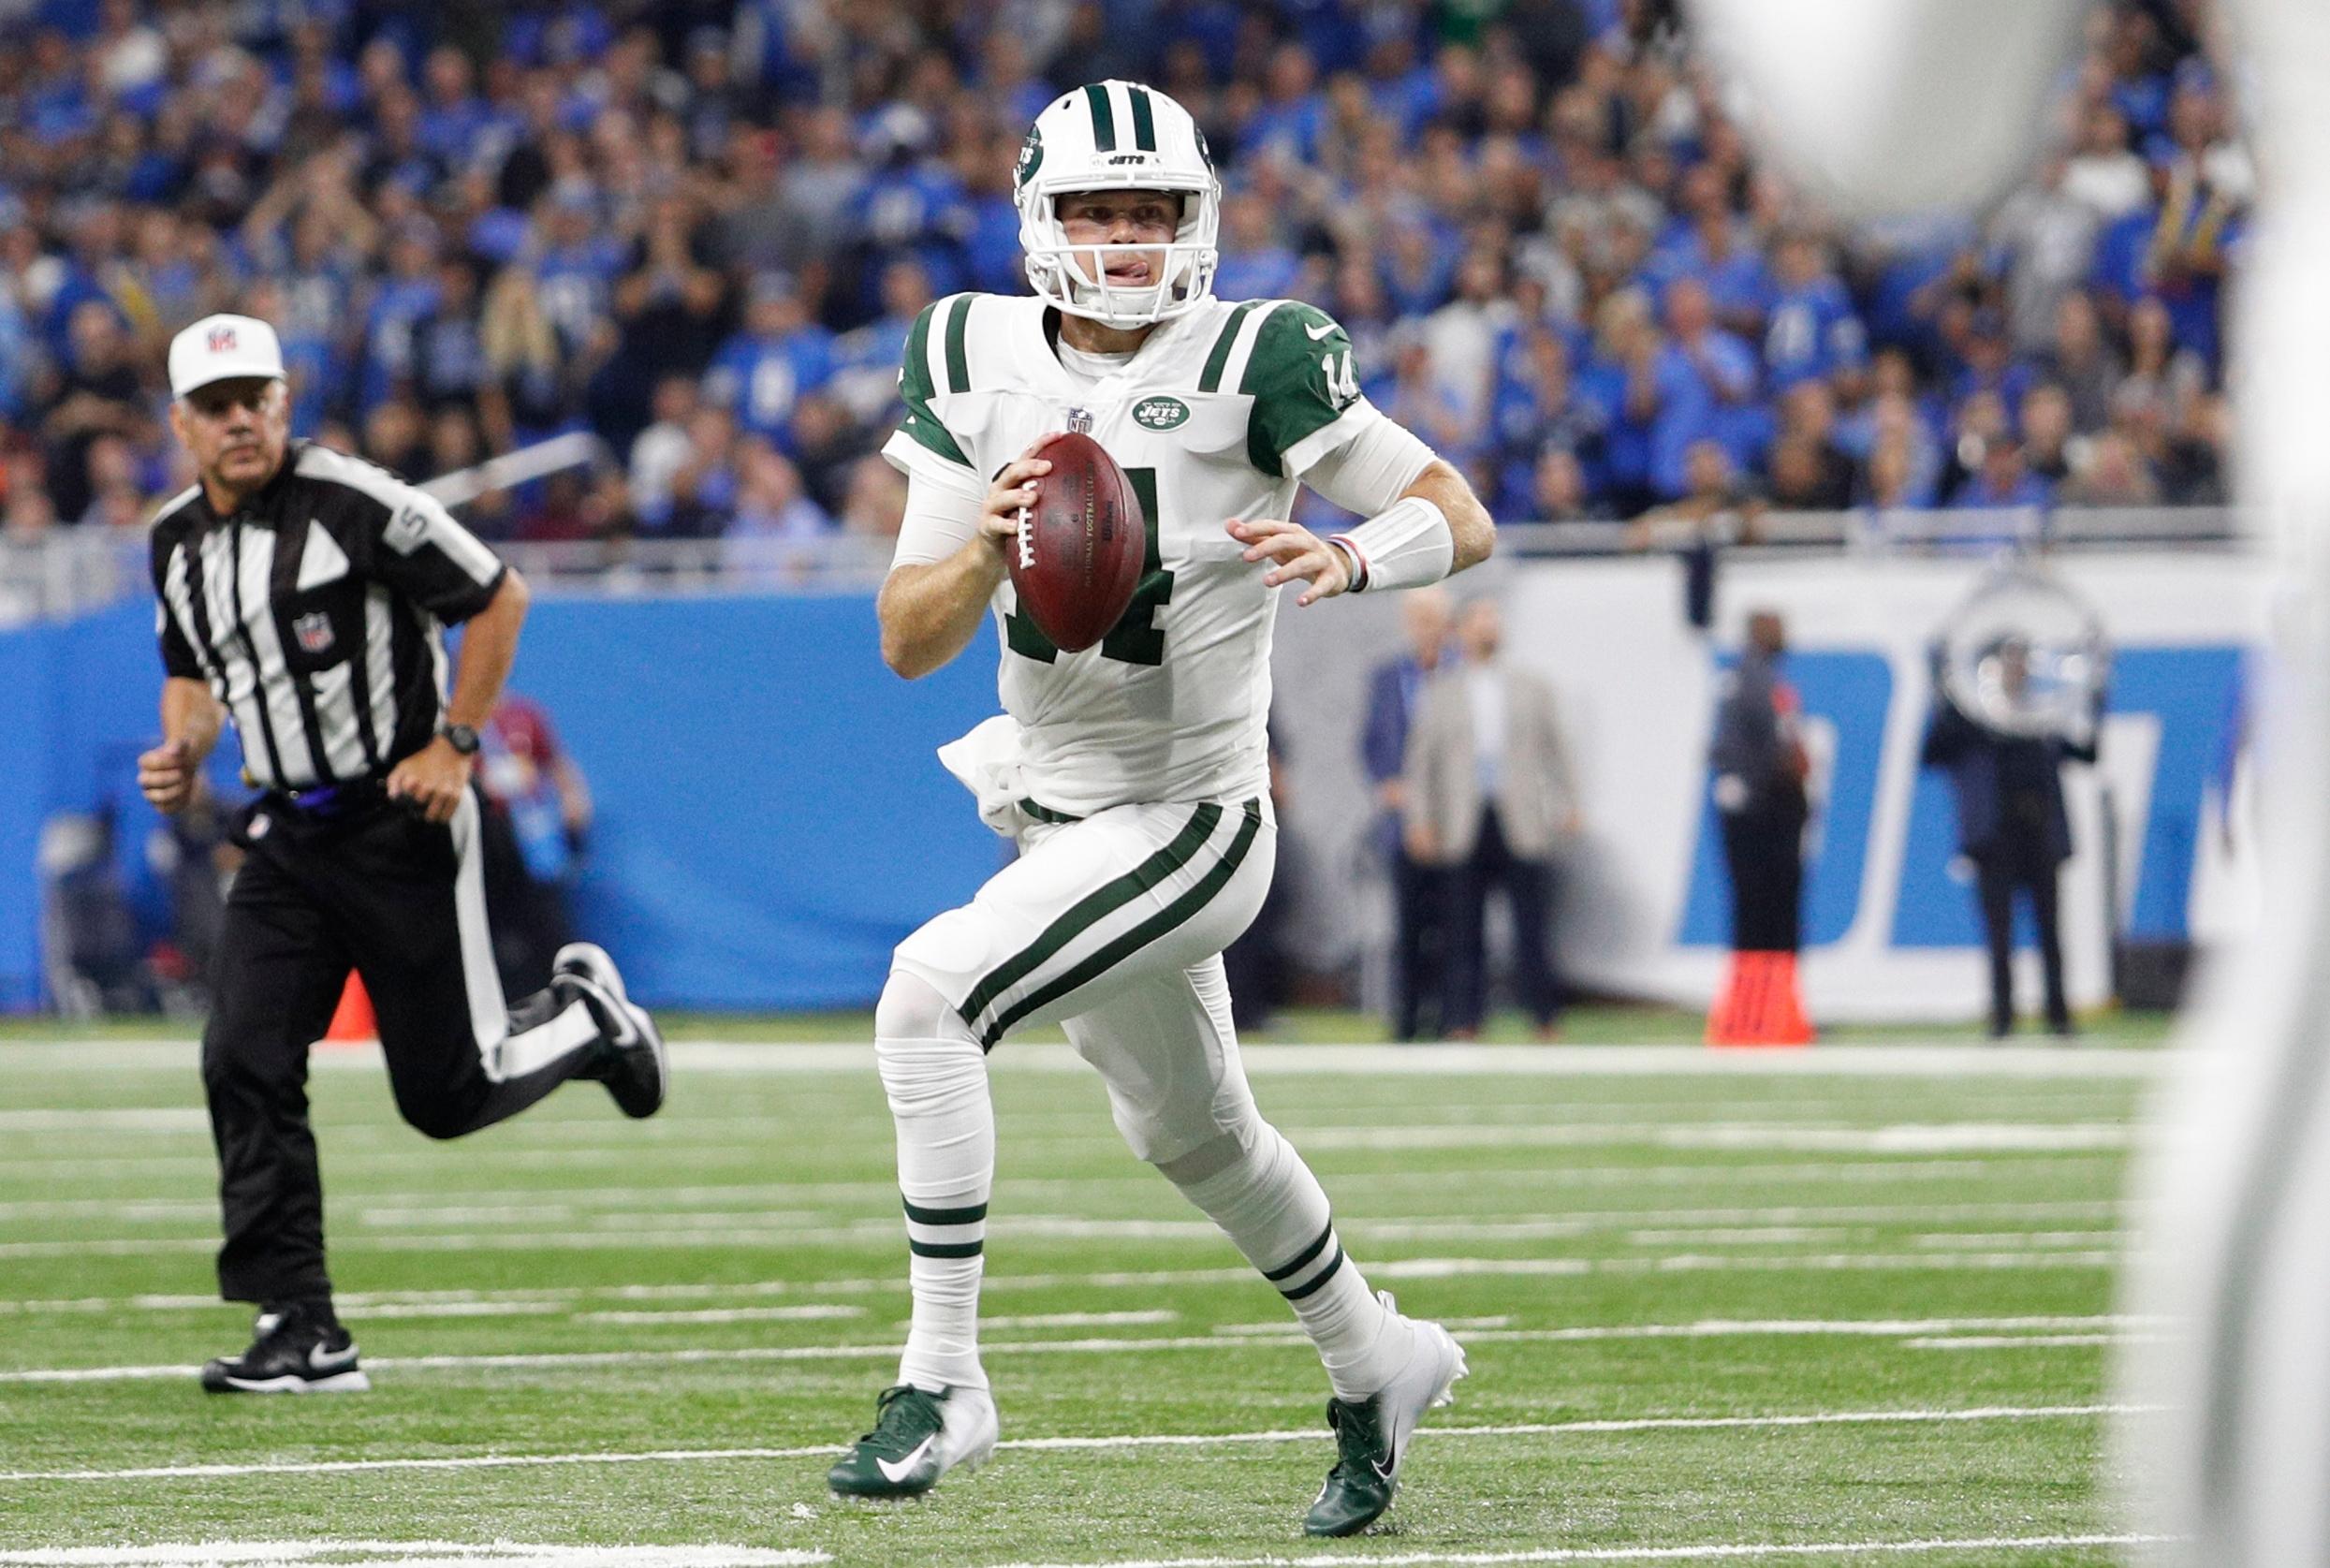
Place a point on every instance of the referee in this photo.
(304, 596)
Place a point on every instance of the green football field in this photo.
(1853, 1305)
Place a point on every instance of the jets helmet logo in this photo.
(1031, 158)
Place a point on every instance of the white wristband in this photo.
(1406, 545)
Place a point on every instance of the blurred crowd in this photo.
(702, 231)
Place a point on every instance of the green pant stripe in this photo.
(1144, 120)
(1092, 908)
(945, 1249)
(1310, 1287)
(1042, 813)
(1173, 916)
(1304, 1259)
(1104, 118)
(1210, 381)
(922, 1216)
(957, 359)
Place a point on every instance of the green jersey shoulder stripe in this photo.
(957, 359)
(1300, 377)
(1211, 380)
(916, 388)
(1092, 908)
(1167, 919)
(1104, 117)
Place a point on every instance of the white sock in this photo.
(946, 1120)
(1257, 1189)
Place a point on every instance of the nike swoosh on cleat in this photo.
(1318, 335)
(322, 1360)
(894, 1473)
(1382, 1473)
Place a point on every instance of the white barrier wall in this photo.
(1890, 929)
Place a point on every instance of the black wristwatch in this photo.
(461, 738)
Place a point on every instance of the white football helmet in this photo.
(1117, 136)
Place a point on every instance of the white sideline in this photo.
(408, 1554)
(1261, 1334)
(2088, 1063)
(1191, 1440)
(1631, 1554)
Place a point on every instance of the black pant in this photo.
(1528, 886)
(1764, 849)
(400, 902)
(1998, 874)
(1419, 1004)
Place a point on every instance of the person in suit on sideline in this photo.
(1394, 689)
(2011, 825)
(1491, 802)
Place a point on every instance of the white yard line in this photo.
(805, 1312)
(1257, 1335)
(1195, 1440)
(2036, 1341)
(752, 1059)
(1727, 1553)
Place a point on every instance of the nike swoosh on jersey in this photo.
(899, 1471)
(1318, 335)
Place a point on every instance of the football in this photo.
(1078, 557)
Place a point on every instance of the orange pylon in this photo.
(1759, 1003)
(353, 1019)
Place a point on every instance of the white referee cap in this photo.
(221, 347)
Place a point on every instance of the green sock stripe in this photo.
(945, 1249)
(1144, 120)
(1299, 1292)
(922, 1216)
(1211, 380)
(1094, 907)
(1173, 916)
(957, 359)
(1104, 118)
(1303, 1260)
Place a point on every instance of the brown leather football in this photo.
(1078, 557)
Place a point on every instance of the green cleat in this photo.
(1371, 1435)
(917, 1437)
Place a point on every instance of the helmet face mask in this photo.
(1118, 136)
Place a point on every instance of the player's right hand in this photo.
(1013, 491)
(166, 776)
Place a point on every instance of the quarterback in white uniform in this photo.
(1132, 775)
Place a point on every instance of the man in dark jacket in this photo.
(2011, 825)
(1394, 690)
(1760, 768)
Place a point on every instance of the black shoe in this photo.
(634, 1066)
(299, 1349)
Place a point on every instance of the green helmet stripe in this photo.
(1144, 120)
(1104, 117)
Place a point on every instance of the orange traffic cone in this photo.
(1759, 1003)
(352, 1022)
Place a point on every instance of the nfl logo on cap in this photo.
(223, 349)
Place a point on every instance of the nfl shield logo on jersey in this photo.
(313, 630)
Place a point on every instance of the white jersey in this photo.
(1217, 416)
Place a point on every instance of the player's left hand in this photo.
(432, 779)
(1295, 554)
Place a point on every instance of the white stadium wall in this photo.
(1890, 928)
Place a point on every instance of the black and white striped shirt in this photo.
(316, 613)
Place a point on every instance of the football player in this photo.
(1132, 775)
